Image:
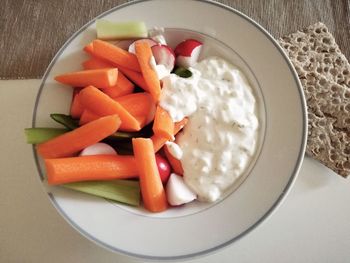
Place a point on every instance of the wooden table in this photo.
(31, 32)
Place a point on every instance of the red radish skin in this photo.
(163, 168)
(186, 47)
(148, 40)
(164, 55)
(187, 53)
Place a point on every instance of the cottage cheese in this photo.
(219, 140)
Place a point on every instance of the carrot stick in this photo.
(153, 194)
(139, 105)
(95, 63)
(134, 76)
(76, 109)
(144, 55)
(163, 125)
(123, 87)
(88, 116)
(114, 54)
(101, 78)
(72, 142)
(90, 168)
(174, 163)
(89, 48)
(158, 142)
(101, 104)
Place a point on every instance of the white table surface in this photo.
(312, 225)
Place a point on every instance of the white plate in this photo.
(195, 229)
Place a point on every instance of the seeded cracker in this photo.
(324, 74)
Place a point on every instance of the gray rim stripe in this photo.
(264, 217)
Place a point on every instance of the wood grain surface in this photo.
(32, 31)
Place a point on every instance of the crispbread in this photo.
(324, 74)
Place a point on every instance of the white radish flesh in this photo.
(97, 149)
(164, 55)
(177, 191)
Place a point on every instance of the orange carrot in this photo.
(144, 55)
(95, 63)
(90, 168)
(89, 48)
(88, 116)
(139, 105)
(72, 142)
(163, 125)
(114, 54)
(153, 194)
(174, 163)
(101, 78)
(101, 104)
(123, 87)
(158, 142)
(134, 76)
(76, 109)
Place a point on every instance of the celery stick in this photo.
(66, 120)
(115, 30)
(39, 135)
(124, 191)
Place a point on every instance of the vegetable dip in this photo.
(220, 138)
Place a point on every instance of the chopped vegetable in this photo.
(187, 53)
(98, 149)
(101, 104)
(100, 78)
(87, 117)
(135, 77)
(114, 54)
(177, 191)
(139, 105)
(90, 168)
(151, 43)
(158, 142)
(144, 56)
(74, 141)
(163, 168)
(95, 63)
(163, 125)
(183, 72)
(153, 194)
(164, 55)
(89, 48)
(109, 30)
(124, 191)
(123, 87)
(66, 120)
(76, 108)
(40, 135)
(175, 163)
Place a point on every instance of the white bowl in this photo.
(197, 228)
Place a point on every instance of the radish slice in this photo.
(187, 53)
(148, 40)
(164, 55)
(97, 149)
(177, 191)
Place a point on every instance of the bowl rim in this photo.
(262, 219)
